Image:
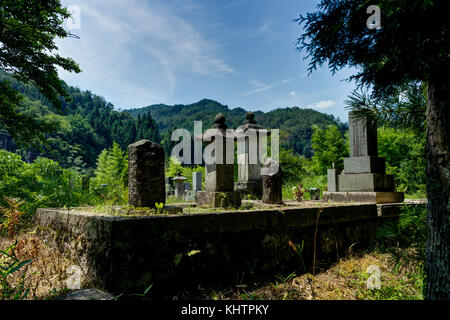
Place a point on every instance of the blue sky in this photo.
(241, 53)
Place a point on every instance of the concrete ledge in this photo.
(213, 199)
(118, 254)
(371, 197)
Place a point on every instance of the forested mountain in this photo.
(295, 124)
(84, 126)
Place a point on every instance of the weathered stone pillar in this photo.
(219, 169)
(196, 181)
(146, 183)
(249, 157)
(272, 183)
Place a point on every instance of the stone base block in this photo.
(252, 188)
(218, 199)
(366, 182)
(371, 197)
(365, 164)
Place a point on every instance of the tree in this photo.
(329, 147)
(28, 29)
(411, 45)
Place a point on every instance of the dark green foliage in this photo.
(329, 146)
(85, 126)
(295, 124)
(10, 264)
(28, 29)
(405, 108)
(41, 184)
(411, 44)
(404, 152)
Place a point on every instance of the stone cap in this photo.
(249, 125)
(218, 129)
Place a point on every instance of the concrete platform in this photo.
(370, 197)
(215, 199)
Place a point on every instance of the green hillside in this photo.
(85, 125)
(295, 124)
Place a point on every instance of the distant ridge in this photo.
(295, 123)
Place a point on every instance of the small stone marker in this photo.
(179, 185)
(272, 183)
(196, 181)
(146, 174)
(314, 194)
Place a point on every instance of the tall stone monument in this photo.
(219, 168)
(146, 183)
(364, 178)
(249, 162)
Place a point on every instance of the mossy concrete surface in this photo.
(172, 252)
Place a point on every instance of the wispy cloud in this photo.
(324, 104)
(115, 34)
(292, 93)
(287, 80)
(259, 90)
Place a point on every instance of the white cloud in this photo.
(324, 104)
(260, 89)
(292, 93)
(256, 83)
(130, 44)
(287, 80)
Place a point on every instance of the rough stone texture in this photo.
(249, 164)
(332, 176)
(146, 174)
(314, 194)
(253, 188)
(196, 181)
(272, 183)
(366, 164)
(219, 176)
(366, 182)
(230, 199)
(362, 136)
(372, 197)
(121, 255)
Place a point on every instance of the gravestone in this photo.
(364, 177)
(249, 162)
(314, 194)
(196, 181)
(179, 185)
(272, 183)
(219, 173)
(146, 174)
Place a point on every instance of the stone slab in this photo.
(253, 188)
(218, 199)
(196, 181)
(368, 182)
(370, 197)
(362, 136)
(365, 164)
(332, 177)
